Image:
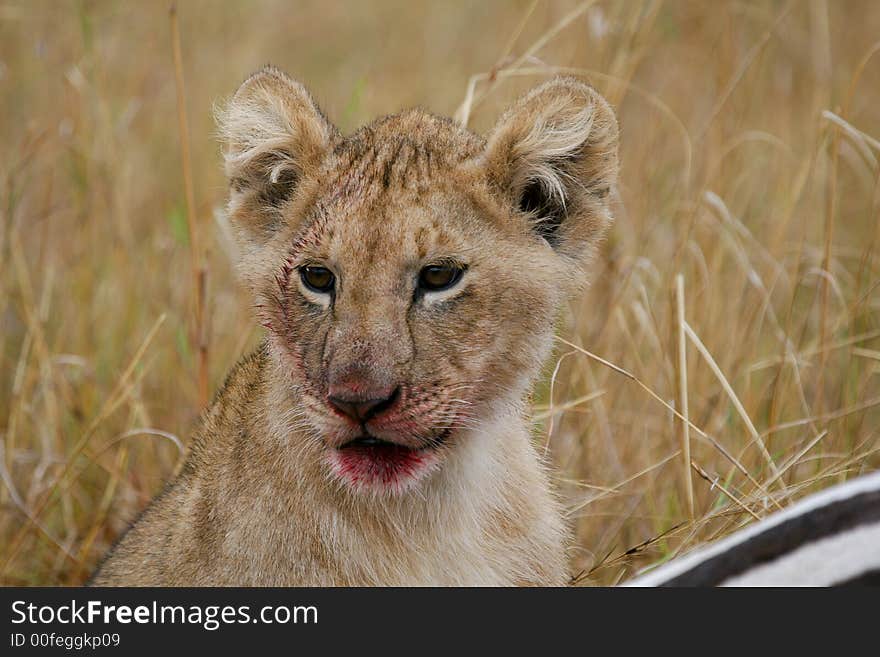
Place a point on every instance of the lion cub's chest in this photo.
(275, 545)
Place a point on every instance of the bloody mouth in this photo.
(371, 463)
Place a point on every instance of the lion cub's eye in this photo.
(435, 278)
(317, 279)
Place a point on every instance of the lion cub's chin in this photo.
(369, 465)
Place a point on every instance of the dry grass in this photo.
(750, 168)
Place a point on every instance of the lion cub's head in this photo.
(410, 274)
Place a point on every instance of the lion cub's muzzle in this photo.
(384, 442)
(366, 408)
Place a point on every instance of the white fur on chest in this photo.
(437, 535)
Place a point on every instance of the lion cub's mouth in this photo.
(369, 441)
(369, 463)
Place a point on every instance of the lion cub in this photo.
(409, 277)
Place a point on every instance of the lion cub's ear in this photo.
(273, 135)
(553, 156)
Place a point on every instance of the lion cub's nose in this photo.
(363, 405)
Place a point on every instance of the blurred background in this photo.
(739, 287)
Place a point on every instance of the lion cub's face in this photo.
(409, 275)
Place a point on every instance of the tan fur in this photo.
(257, 502)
